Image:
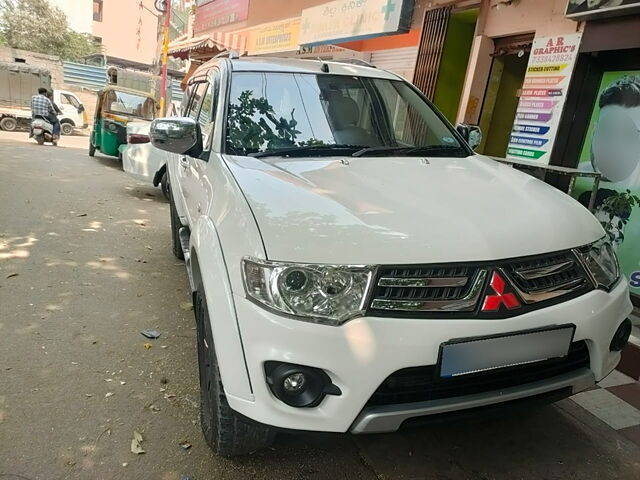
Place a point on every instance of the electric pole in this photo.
(164, 6)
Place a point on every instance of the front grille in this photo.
(420, 290)
(424, 283)
(547, 273)
(419, 384)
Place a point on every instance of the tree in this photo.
(37, 26)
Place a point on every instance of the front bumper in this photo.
(361, 354)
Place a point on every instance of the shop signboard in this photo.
(612, 147)
(273, 37)
(592, 9)
(211, 14)
(349, 20)
(542, 97)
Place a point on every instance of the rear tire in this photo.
(66, 128)
(40, 140)
(227, 433)
(176, 225)
(8, 124)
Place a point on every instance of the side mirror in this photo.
(176, 135)
(471, 133)
(81, 108)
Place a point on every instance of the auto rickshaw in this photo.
(117, 107)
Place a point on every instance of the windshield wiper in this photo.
(434, 150)
(329, 149)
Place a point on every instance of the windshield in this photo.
(129, 104)
(272, 112)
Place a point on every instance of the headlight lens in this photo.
(327, 294)
(602, 263)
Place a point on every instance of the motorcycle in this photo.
(42, 131)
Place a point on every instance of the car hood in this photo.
(396, 210)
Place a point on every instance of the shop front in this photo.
(601, 125)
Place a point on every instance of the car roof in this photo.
(296, 65)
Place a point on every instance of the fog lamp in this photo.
(294, 382)
(299, 386)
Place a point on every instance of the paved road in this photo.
(85, 265)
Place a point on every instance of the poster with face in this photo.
(612, 147)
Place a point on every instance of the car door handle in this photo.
(184, 162)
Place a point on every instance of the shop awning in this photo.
(207, 45)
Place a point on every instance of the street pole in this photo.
(165, 58)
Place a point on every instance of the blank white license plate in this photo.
(466, 356)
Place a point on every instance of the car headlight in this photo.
(601, 261)
(326, 294)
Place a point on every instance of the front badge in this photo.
(498, 297)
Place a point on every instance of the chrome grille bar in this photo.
(545, 271)
(425, 282)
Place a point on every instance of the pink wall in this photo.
(119, 27)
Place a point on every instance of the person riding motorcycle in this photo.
(43, 107)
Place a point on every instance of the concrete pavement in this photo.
(85, 264)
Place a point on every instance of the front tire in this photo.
(176, 225)
(227, 433)
(164, 185)
(92, 149)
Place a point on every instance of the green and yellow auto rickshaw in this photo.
(117, 107)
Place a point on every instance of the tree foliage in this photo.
(37, 26)
(245, 134)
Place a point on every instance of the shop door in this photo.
(498, 113)
(443, 56)
(434, 30)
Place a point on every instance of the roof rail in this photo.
(232, 54)
(355, 61)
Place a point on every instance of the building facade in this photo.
(126, 29)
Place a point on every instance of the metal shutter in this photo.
(401, 61)
(434, 31)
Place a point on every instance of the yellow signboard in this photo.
(273, 37)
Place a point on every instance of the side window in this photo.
(66, 99)
(193, 109)
(208, 110)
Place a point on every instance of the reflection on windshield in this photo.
(130, 104)
(273, 111)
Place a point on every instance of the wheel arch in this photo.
(210, 275)
(68, 120)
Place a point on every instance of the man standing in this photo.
(42, 107)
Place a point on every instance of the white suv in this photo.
(355, 265)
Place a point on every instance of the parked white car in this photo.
(355, 265)
(142, 160)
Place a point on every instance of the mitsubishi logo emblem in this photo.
(492, 302)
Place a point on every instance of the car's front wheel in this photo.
(227, 433)
(164, 185)
(175, 229)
